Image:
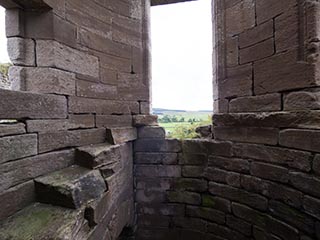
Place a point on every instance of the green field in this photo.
(182, 124)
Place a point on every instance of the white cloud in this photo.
(182, 55)
(4, 58)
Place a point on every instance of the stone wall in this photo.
(80, 74)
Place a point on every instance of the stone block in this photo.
(14, 23)
(218, 203)
(155, 183)
(238, 82)
(95, 90)
(145, 108)
(296, 159)
(145, 120)
(21, 51)
(62, 139)
(150, 196)
(258, 51)
(121, 135)
(316, 164)
(230, 164)
(188, 184)
(262, 103)
(204, 131)
(240, 17)
(42, 80)
(101, 106)
(73, 122)
(257, 34)
(156, 158)
(206, 214)
(151, 132)
(302, 100)
(190, 224)
(170, 209)
(305, 183)
(12, 129)
(157, 145)
(239, 225)
(158, 171)
(292, 216)
(270, 172)
(150, 221)
(16, 105)
(312, 206)
(184, 197)
(250, 215)
(16, 199)
(54, 54)
(16, 147)
(218, 148)
(193, 146)
(96, 156)
(193, 159)
(300, 139)
(17, 172)
(250, 135)
(239, 195)
(193, 171)
(71, 187)
(292, 75)
(112, 121)
(225, 232)
(232, 52)
(222, 176)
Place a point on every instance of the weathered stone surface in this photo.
(157, 171)
(40, 221)
(193, 171)
(204, 131)
(157, 145)
(305, 183)
(190, 224)
(222, 176)
(263, 103)
(21, 51)
(193, 159)
(156, 158)
(88, 105)
(290, 76)
(163, 184)
(151, 132)
(218, 203)
(145, 120)
(224, 232)
(95, 90)
(17, 172)
(73, 122)
(170, 209)
(54, 54)
(238, 82)
(150, 196)
(258, 51)
(71, 187)
(16, 199)
(55, 140)
(316, 164)
(270, 172)
(150, 221)
(230, 164)
(300, 139)
(302, 100)
(283, 156)
(121, 135)
(249, 135)
(12, 129)
(240, 17)
(239, 195)
(16, 147)
(232, 52)
(15, 105)
(291, 216)
(206, 213)
(96, 156)
(43, 80)
(111, 121)
(312, 206)
(238, 225)
(188, 184)
(256, 34)
(302, 119)
(218, 148)
(184, 197)
(14, 28)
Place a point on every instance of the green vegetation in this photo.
(4, 68)
(182, 124)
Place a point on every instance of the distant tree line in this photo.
(175, 119)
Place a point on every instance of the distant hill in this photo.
(164, 110)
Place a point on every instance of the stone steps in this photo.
(41, 221)
(71, 187)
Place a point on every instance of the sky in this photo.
(182, 56)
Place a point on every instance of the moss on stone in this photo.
(208, 201)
